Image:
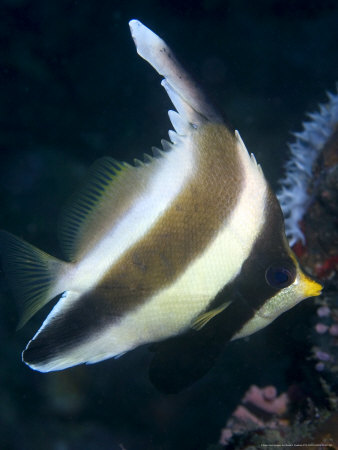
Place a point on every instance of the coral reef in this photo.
(297, 188)
(260, 409)
(309, 199)
(265, 419)
(325, 336)
(319, 254)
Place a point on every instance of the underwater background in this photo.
(72, 89)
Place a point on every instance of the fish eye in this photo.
(279, 276)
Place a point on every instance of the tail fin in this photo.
(32, 274)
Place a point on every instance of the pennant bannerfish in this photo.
(186, 249)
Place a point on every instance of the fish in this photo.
(183, 251)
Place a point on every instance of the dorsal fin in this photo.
(109, 189)
(192, 106)
(112, 187)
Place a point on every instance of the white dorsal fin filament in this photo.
(189, 101)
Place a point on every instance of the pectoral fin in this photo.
(204, 318)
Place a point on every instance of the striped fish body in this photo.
(188, 241)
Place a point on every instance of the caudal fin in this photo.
(32, 274)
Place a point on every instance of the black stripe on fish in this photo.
(182, 360)
(160, 257)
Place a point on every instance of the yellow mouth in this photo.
(310, 287)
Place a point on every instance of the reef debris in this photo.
(260, 409)
(264, 418)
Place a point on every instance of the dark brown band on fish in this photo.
(172, 370)
(250, 289)
(200, 210)
(163, 254)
